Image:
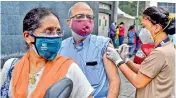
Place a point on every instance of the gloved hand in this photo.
(113, 55)
(124, 52)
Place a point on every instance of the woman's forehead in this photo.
(50, 21)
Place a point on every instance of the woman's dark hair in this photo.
(131, 27)
(159, 15)
(32, 19)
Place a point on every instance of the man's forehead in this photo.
(82, 7)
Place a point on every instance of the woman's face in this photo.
(147, 23)
(49, 27)
(154, 29)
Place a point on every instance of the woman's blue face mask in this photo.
(47, 47)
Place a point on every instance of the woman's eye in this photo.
(59, 32)
(48, 33)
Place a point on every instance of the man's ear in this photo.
(69, 22)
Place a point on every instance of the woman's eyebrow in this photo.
(50, 28)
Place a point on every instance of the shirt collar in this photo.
(85, 41)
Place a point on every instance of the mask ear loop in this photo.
(154, 35)
(33, 37)
(34, 43)
(170, 19)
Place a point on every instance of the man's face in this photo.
(81, 20)
(81, 11)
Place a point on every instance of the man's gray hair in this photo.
(70, 12)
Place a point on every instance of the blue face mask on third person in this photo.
(47, 47)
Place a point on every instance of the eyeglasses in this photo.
(57, 33)
(50, 34)
(82, 16)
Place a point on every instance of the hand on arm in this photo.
(138, 80)
(124, 52)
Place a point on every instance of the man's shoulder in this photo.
(99, 38)
(65, 41)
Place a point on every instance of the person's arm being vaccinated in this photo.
(112, 73)
(148, 69)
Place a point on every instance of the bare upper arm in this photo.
(90, 96)
(110, 67)
(110, 45)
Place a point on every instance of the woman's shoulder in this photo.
(80, 82)
(73, 71)
(8, 63)
(6, 67)
(73, 67)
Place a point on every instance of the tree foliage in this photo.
(130, 7)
